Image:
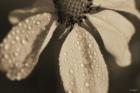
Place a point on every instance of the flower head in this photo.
(82, 66)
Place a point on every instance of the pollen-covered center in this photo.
(72, 9)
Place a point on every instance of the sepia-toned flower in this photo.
(80, 24)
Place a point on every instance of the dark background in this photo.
(43, 78)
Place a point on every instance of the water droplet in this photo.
(6, 47)
(5, 41)
(43, 28)
(9, 61)
(72, 83)
(23, 41)
(90, 56)
(86, 84)
(27, 36)
(15, 54)
(27, 21)
(95, 54)
(83, 75)
(71, 71)
(18, 65)
(32, 32)
(90, 45)
(26, 65)
(5, 56)
(65, 54)
(13, 33)
(29, 27)
(79, 36)
(13, 42)
(9, 36)
(73, 41)
(45, 14)
(20, 24)
(17, 31)
(77, 42)
(69, 91)
(92, 66)
(19, 76)
(79, 47)
(22, 71)
(37, 22)
(90, 37)
(82, 65)
(38, 15)
(17, 38)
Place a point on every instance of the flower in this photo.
(78, 24)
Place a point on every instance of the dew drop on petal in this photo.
(5, 56)
(79, 47)
(73, 41)
(15, 54)
(72, 83)
(90, 45)
(17, 38)
(77, 42)
(43, 28)
(9, 61)
(90, 56)
(82, 65)
(18, 65)
(13, 42)
(29, 28)
(86, 84)
(23, 41)
(6, 47)
(9, 36)
(37, 22)
(71, 71)
(26, 64)
(70, 91)
(27, 21)
(19, 76)
(95, 54)
(83, 74)
(65, 54)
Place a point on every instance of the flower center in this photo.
(71, 11)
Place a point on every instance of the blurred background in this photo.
(44, 78)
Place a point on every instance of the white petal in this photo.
(82, 66)
(112, 3)
(116, 32)
(21, 14)
(123, 5)
(20, 50)
(39, 6)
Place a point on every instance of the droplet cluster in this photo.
(17, 56)
(81, 64)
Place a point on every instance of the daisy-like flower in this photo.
(78, 25)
